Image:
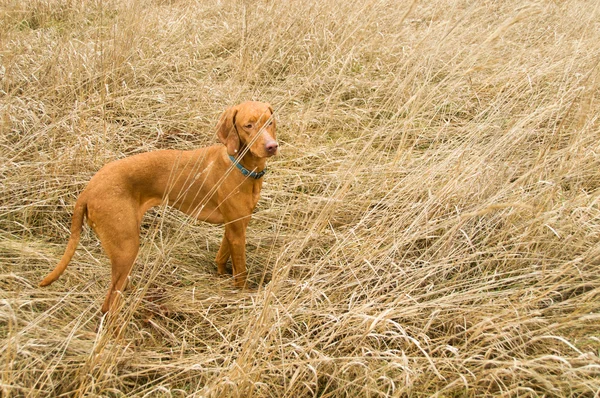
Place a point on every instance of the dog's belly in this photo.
(212, 216)
(208, 212)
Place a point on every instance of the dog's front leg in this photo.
(222, 256)
(235, 233)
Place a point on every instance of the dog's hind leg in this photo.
(119, 233)
(121, 263)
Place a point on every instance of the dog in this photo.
(219, 184)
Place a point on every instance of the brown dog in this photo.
(217, 184)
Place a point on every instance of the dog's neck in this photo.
(250, 161)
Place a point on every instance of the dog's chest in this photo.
(257, 186)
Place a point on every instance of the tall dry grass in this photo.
(431, 226)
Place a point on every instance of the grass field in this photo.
(431, 226)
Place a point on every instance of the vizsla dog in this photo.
(217, 184)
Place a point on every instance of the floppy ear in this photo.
(273, 118)
(227, 132)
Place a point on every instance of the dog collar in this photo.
(245, 171)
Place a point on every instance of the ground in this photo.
(430, 226)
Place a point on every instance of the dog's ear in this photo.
(227, 132)
(272, 118)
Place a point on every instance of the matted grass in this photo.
(431, 225)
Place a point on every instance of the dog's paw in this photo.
(225, 271)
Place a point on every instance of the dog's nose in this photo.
(272, 147)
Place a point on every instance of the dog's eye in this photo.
(248, 126)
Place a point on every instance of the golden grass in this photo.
(431, 226)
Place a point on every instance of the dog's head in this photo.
(249, 124)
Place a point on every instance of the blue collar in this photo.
(245, 171)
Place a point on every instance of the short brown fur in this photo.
(203, 183)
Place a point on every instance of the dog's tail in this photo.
(76, 226)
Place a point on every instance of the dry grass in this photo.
(431, 226)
